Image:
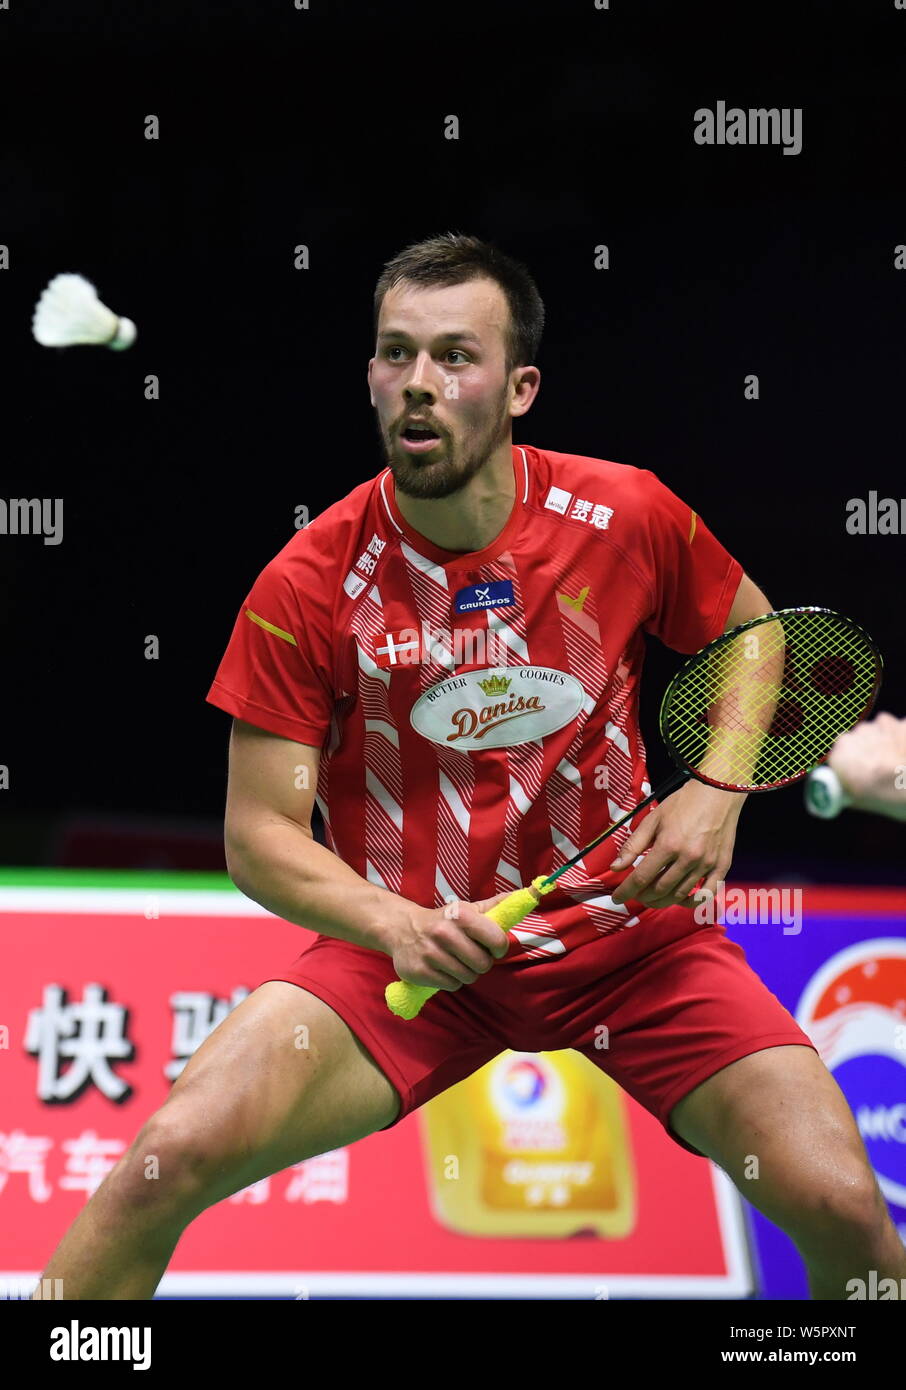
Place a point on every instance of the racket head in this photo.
(831, 675)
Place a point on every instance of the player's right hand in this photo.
(448, 947)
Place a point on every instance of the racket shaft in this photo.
(406, 1000)
(675, 780)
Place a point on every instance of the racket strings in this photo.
(767, 705)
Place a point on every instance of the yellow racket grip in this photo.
(406, 1000)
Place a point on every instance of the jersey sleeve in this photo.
(693, 578)
(276, 671)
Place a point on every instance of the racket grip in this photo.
(406, 1000)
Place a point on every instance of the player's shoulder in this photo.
(341, 519)
(323, 543)
(564, 481)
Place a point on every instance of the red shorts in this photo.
(674, 1015)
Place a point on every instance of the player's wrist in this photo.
(719, 796)
(391, 919)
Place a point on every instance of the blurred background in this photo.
(281, 127)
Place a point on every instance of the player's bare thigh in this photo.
(281, 1079)
(766, 1093)
(782, 1106)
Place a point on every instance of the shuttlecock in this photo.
(69, 312)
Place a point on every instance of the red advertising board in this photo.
(110, 982)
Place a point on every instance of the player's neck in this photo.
(472, 518)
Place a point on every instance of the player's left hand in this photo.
(870, 761)
(688, 837)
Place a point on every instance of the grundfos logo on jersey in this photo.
(854, 1011)
(498, 594)
(497, 707)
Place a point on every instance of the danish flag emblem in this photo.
(395, 649)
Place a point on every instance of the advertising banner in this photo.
(836, 958)
(535, 1177)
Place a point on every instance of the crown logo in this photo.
(497, 685)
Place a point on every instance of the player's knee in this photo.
(175, 1161)
(840, 1212)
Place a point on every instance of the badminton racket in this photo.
(753, 711)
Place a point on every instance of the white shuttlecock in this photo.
(69, 312)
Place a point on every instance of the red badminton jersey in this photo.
(477, 714)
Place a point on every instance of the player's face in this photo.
(440, 356)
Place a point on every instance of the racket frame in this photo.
(731, 635)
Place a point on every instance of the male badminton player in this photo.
(448, 661)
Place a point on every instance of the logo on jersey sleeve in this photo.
(557, 500)
(497, 707)
(494, 595)
(353, 584)
(583, 508)
(366, 566)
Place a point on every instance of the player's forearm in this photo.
(293, 876)
(745, 676)
(884, 800)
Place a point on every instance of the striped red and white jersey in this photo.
(477, 714)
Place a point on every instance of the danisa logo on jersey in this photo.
(498, 594)
(854, 1011)
(497, 707)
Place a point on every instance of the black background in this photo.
(326, 127)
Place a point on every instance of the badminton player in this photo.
(447, 660)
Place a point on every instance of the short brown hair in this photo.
(453, 258)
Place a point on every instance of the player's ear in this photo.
(526, 387)
(370, 367)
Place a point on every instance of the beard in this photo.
(424, 476)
